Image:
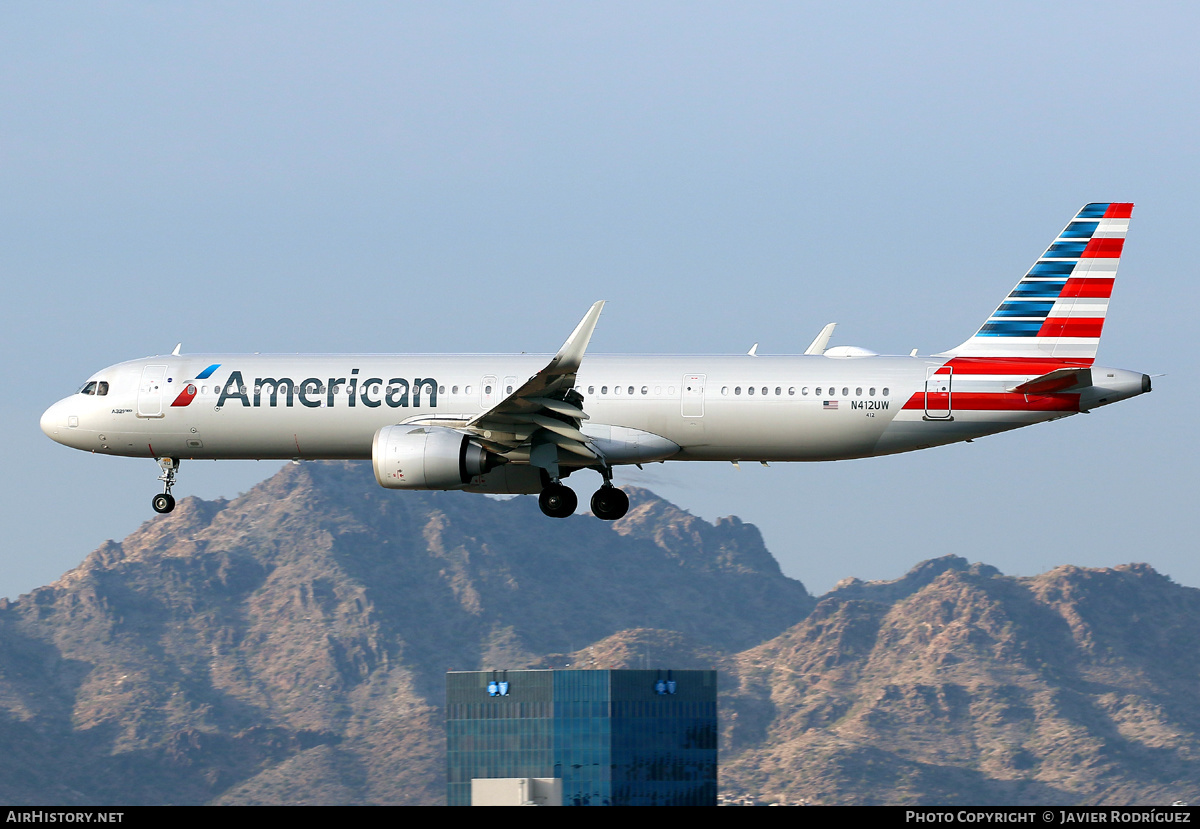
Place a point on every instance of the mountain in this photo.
(957, 685)
(291, 645)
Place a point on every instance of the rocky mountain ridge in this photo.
(290, 646)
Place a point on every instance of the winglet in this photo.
(822, 340)
(178, 346)
(570, 356)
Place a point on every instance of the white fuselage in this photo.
(731, 408)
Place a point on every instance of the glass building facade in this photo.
(615, 738)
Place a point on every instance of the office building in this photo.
(613, 738)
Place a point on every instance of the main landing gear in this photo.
(608, 503)
(558, 500)
(164, 503)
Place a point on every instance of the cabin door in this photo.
(938, 381)
(693, 395)
(150, 392)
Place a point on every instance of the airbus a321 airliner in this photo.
(522, 424)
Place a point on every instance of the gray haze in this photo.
(471, 176)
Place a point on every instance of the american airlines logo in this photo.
(313, 392)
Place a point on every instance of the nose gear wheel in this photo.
(164, 502)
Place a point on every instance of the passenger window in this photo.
(845, 391)
(792, 390)
(778, 391)
(858, 392)
(487, 389)
(804, 391)
(604, 389)
(737, 389)
(750, 390)
(441, 389)
(467, 390)
(508, 390)
(885, 391)
(616, 389)
(818, 391)
(631, 389)
(591, 389)
(453, 389)
(872, 391)
(764, 390)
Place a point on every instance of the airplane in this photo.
(522, 424)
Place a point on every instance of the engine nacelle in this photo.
(426, 457)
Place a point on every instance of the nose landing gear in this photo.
(164, 503)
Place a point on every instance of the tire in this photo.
(609, 503)
(558, 501)
(163, 503)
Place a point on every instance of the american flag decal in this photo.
(829, 405)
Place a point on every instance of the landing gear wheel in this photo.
(163, 503)
(609, 503)
(558, 501)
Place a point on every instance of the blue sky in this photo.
(471, 176)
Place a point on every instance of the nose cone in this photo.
(54, 421)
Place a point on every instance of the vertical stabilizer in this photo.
(1057, 310)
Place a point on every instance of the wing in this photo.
(545, 410)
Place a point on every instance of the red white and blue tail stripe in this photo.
(1057, 310)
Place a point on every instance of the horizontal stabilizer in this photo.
(1054, 382)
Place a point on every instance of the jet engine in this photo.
(427, 457)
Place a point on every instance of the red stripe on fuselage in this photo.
(1001, 402)
(1098, 287)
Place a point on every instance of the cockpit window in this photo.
(90, 388)
(102, 388)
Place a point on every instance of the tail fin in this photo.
(1057, 310)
